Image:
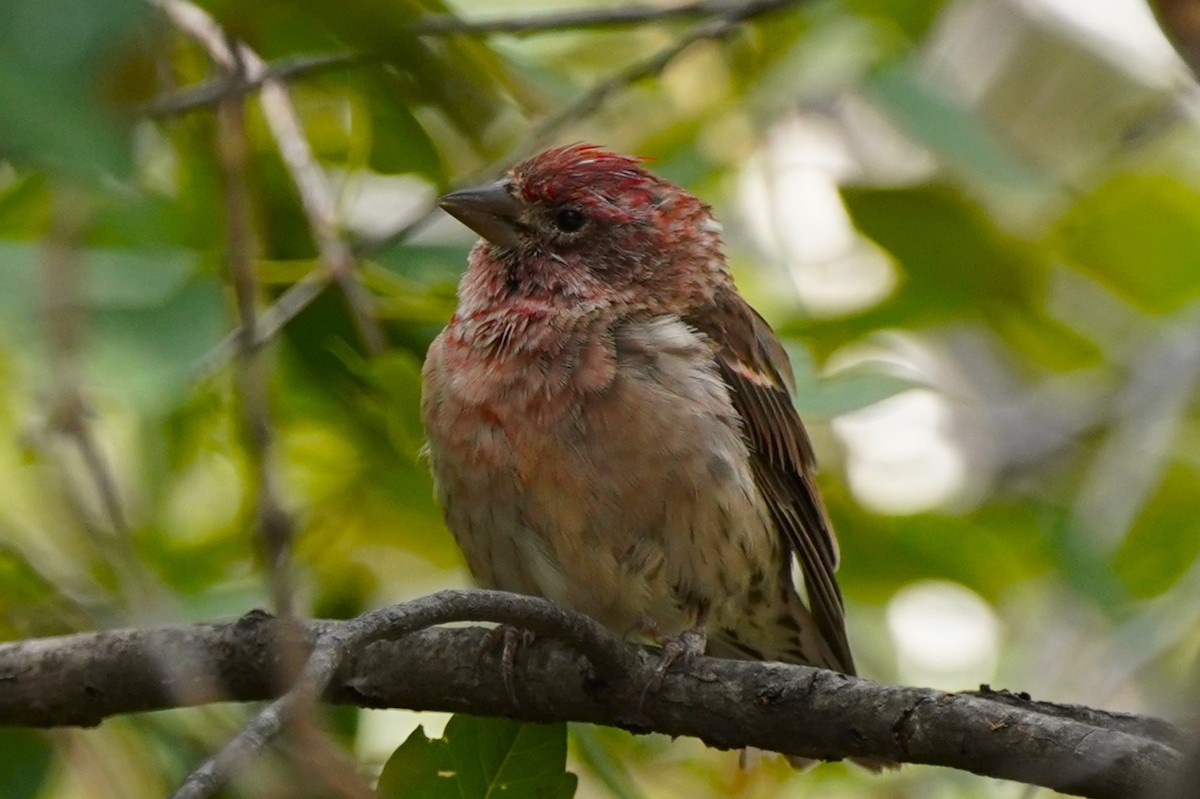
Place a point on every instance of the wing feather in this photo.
(756, 369)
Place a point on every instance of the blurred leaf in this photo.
(396, 379)
(53, 54)
(398, 142)
(429, 264)
(478, 758)
(914, 17)
(823, 397)
(112, 279)
(955, 264)
(23, 207)
(816, 52)
(1165, 539)
(30, 604)
(595, 747)
(128, 279)
(988, 550)
(153, 317)
(1139, 235)
(150, 353)
(24, 763)
(951, 129)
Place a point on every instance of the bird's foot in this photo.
(508, 639)
(682, 648)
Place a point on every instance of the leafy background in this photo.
(976, 222)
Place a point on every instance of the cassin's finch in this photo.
(610, 424)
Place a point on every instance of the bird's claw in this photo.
(682, 648)
(509, 639)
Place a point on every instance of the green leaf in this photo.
(478, 758)
(412, 770)
(112, 279)
(598, 750)
(1139, 235)
(30, 603)
(850, 390)
(987, 550)
(954, 260)
(151, 316)
(24, 763)
(953, 130)
(461, 77)
(150, 353)
(425, 264)
(56, 59)
(24, 205)
(914, 17)
(399, 143)
(1164, 541)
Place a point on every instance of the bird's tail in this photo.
(787, 634)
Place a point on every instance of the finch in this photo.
(610, 424)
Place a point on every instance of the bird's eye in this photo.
(569, 220)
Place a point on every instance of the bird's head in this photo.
(579, 227)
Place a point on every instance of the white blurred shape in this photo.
(946, 635)
(381, 731)
(789, 195)
(375, 205)
(900, 458)
(1123, 30)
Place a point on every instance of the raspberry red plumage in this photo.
(586, 175)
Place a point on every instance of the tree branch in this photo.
(619, 17)
(275, 524)
(214, 90)
(315, 194)
(82, 679)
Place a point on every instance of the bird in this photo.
(610, 425)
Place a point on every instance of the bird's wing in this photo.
(756, 369)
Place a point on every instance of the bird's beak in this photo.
(491, 211)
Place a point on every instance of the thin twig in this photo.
(214, 90)
(271, 321)
(649, 67)
(71, 417)
(62, 317)
(140, 592)
(70, 414)
(311, 184)
(275, 524)
(619, 17)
